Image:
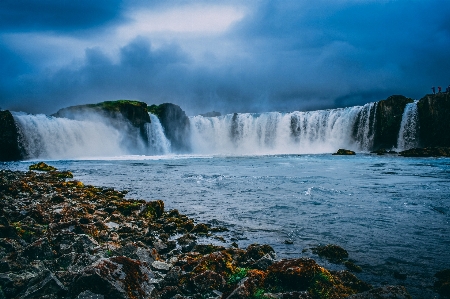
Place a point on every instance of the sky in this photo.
(226, 56)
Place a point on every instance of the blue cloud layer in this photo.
(286, 56)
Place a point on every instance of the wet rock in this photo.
(295, 274)
(161, 266)
(427, 152)
(401, 276)
(207, 281)
(200, 228)
(344, 152)
(352, 266)
(50, 285)
(89, 295)
(116, 277)
(257, 251)
(39, 250)
(264, 262)
(331, 252)
(442, 285)
(42, 167)
(187, 242)
(387, 292)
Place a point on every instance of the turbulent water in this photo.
(391, 213)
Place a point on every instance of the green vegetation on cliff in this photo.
(134, 111)
(117, 105)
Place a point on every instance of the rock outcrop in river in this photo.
(62, 239)
(388, 119)
(133, 111)
(434, 112)
(9, 138)
(176, 125)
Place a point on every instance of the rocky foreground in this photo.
(62, 239)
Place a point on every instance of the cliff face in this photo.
(388, 120)
(9, 147)
(434, 113)
(176, 125)
(135, 112)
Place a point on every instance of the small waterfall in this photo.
(322, 131)
(407, 136)
(158, 144)
(46, 137)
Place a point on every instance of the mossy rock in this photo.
(42, 167)
(344, 152)
(331, 252)
(153, 209)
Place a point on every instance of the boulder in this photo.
(344, 152)
(427, 152)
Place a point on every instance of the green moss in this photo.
(156, 110)
(115, 105)
(42, 167)
(239, 274)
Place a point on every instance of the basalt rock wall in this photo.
(9, 147)
(176, 125)
(388, 120)
(434, 122)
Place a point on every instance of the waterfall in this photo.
(158, 144)
(93, 135)
(407, 135)
(46, 137)
(322, 131)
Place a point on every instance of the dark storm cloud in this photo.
(286, 55)
(62, 15)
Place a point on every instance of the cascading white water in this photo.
(158, 144)
(321, 131)
(407, 135)
(47, 137)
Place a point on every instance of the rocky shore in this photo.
(60, 238)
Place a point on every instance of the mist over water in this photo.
(58, 138)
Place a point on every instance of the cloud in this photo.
(265, 55)
(30, 15)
